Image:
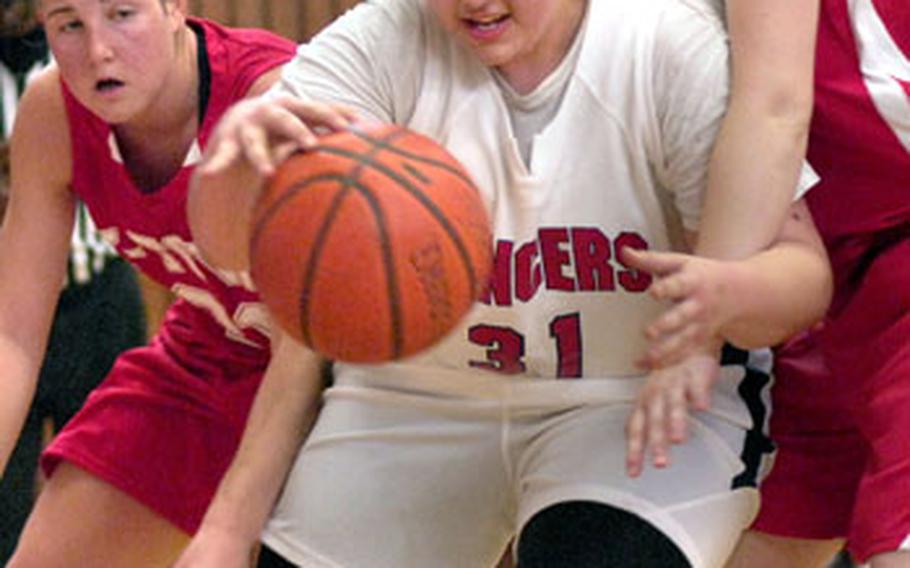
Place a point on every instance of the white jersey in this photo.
(622, 163)
(435, 460)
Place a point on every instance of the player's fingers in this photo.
(283, 151)
(659, 263)
(255, 144)
(678, 414)
(673, 348)
(635, 441)
(698, 393)
(333, 116)
(675, 319)
(282, 123)
(656, 431)
(674, 287)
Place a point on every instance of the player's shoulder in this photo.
(382, 20)
(229, 39)
(41, 134)
(654, 26)
(691, 32)
(42, 102)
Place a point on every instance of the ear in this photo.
(176, 12)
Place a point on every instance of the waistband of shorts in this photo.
(510, 390)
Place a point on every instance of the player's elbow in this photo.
(786, 105)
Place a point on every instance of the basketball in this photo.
(371, 246)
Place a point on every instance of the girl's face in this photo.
(115, 55)
(523, 39)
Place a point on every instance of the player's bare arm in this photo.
(34, 241)
(286, 406)
(749, 191)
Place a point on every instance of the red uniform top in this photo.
(165, 423)
(860, 136)
(150, 229)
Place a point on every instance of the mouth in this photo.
(108, 85)
(486, 27)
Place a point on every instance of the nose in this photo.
(100, 48)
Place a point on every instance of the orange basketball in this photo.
(371, 246)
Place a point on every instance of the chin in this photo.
(493, 57)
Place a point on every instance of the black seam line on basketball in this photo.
(417, 173)
(385, 246)
(427, 203)
(347, 181)
(392, 288)
(347, 184)
(318, 243)
(384, 144)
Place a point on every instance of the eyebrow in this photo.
(67, 9)
(58, 11)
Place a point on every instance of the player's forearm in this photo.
(17, 395)
(282, 414)
(752, 181)
(759, 151)
(778, 293)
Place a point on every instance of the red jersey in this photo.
(165, 423)
(860, 136)
(150, 229)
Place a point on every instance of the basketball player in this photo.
(843, 468)
(118, 122)
(100, 311)
(588, 127)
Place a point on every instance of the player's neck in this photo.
(155, 143)
(176, 106)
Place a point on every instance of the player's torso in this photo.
(150, 228)
(860, 137)
(561, 303)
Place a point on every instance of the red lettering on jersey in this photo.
(905, 85)
(564, 260)
(499, 289)
(556, 258)
(592, 260)
(632, 280)
(527, 272)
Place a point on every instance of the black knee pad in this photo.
(268, 558)
(582, 534)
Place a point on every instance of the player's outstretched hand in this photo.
(660, 416)
(215, 549)
(264, 131)
(700, 297)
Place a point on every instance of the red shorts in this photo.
(165, 423)
(841, 421)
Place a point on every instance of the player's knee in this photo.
(268, 558)
(582, 534)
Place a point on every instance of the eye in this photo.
(123, 13)
(69, 26)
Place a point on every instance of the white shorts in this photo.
(396, 479)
